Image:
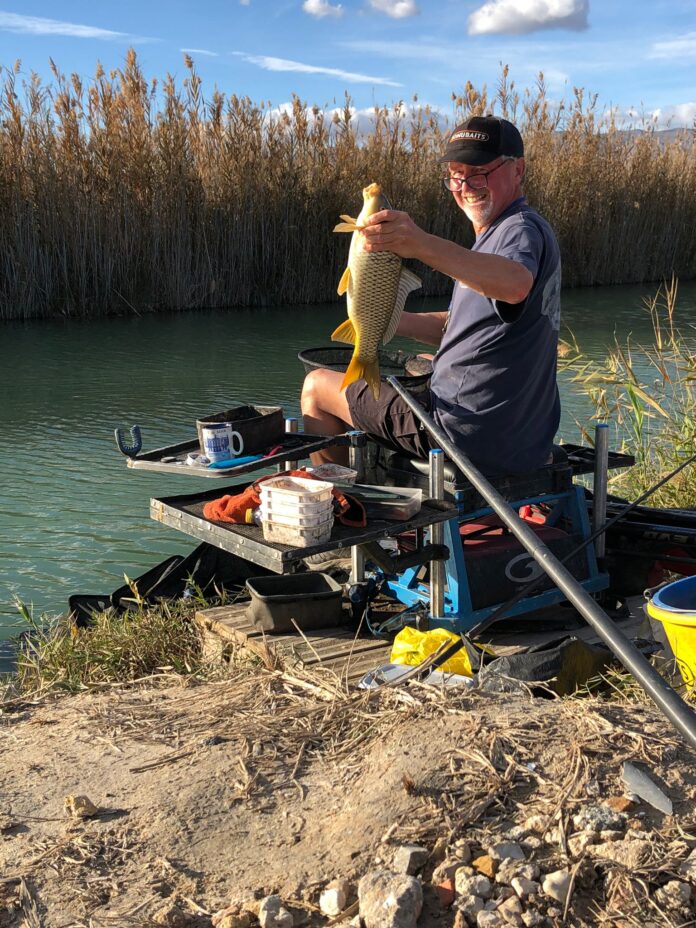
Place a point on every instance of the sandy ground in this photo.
(214, 793)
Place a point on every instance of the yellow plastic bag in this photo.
(412, 647)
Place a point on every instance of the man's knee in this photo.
(312, 393)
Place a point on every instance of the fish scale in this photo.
(376, 286)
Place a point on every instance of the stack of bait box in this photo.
(296, 511)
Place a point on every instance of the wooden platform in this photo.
(351, 657)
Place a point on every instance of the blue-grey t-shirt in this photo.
(494, 385)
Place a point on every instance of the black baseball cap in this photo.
(482, 139)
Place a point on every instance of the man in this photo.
(493, 388)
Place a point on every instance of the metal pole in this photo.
(355, 453)
(682, 717)
(437, 535)
(291, 427)
(599, 487)
(355, 460)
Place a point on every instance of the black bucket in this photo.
(260, 427)
(391, 363)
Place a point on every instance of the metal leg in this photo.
(599, 505)
(437, 568)
(355, 453)
(290, 429)
(357, 564)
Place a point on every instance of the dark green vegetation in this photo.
(122, 195)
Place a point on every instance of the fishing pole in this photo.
(681, 716)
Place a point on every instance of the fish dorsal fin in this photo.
(344, 333)
(408, 281)
(344, 281)
(348, 225)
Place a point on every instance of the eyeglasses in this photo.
(474, 181)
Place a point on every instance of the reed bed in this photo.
(125, 195)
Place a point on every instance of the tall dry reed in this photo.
(121, 195)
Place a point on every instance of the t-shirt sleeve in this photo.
(522, 242)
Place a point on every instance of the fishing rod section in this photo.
(664, 696)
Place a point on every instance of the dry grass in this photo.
(120, 195)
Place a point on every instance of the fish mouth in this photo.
(372, 190)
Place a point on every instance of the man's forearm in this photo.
(423, 327)
(491, 275)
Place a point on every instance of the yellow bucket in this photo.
(675, 606)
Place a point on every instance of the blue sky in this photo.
(637, 56)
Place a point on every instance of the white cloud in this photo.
(38, 25)
(245, 2)
(199, 51)
(683, 46)
(397, 9)
(521, 16)
(362, 121)
(321, 8)
(269, 63)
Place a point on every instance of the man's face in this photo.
(482, 206)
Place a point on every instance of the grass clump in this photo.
(648, 392)
(56, 655)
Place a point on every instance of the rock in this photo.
(272, 914)
(235, 920)
(486, 919)
(556, 885)
(537, 823)
(389, 900)
(509, 869)
(506, 850)
(674, 895)
(445, 892)
(531, 843)
(630, 853)
(619, 803)
(462, 851)
(170, 915)
(524, 888)
(477, 885)
(485, 865)
(637, 781)
(334, 898)
(511, 911)
(578, 843)
(80, 807)
(599, 818)
(439, 851)
(447, 869)
(532, 919)
(610, 835)
(410, 858)
(688, 867)
(468, 908)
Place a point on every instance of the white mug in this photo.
(221, 442)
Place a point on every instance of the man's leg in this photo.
(325, 412)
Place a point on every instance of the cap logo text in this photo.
(470, 134)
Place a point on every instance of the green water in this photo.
(73, 518)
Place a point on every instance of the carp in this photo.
(376, 285)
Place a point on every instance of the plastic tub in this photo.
(296, 519)
(313, 600)
(295, 491)
(675, 607)
(299, 536)
(335, 473)
(273, 506)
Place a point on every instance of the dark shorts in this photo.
(389, 420)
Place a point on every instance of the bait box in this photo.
(312, 600)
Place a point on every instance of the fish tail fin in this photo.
(344, 333)
(361, 370)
